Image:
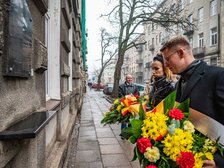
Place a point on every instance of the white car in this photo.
(140, 88)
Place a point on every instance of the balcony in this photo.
(148, 64)
(188, 32)
(199, 52)
(151, 47)
(138, 73)
(140, 48)
(139, 61)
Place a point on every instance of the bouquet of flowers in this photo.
(123, 109)
(165, 138)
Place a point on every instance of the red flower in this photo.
(159, 138)
(143, 143)
(137, 96)
(186, 160)
(176, 114)
(151, 166)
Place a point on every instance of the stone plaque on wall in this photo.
(18, 40)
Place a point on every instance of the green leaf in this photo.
(126, 132)
(184, 106)
(145, 162)
(132, 139)
(141, 112)
(135, 155)
(169, 101)
(139, 155)
(136, 127)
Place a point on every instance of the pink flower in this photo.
(186, 160)
(151, 166)
(176, 114)
(143, 143)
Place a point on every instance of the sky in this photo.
(93, 24)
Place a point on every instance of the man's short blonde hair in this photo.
(174, 41)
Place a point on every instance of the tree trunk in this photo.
(99, 78)
(117, 74)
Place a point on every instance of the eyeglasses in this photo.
(168, 57)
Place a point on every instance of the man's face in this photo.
(173, 60)
(129, 79)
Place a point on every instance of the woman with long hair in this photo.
(163, 81)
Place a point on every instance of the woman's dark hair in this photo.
(159, 58)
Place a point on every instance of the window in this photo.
(160, 37)
(201, 40)
(148, 30)
(181, 3)
(213, 7)
(191, 41)
(213, 36)
(153, 26)
(200, 14)
(190, 18)
(157, 39)
(149, 44)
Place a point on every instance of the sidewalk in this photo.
(98, 146)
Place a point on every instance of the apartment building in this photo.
(206, 38)
(133, 61)
(42, 76)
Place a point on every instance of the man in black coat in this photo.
(128, 87)
(203, 84)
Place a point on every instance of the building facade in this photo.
(206, 37)
(42, 76)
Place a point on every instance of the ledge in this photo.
(29, 127)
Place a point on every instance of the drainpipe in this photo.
(221, 31)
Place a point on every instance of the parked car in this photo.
(94, 86)
(140, 88)
(108, 89)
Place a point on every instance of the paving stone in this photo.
(85, 132)
(104, 134)
(88, 156)
(115, 160)
(87, 138)
(88, 145)
(107, 141)
(89, 165)
(110, 149)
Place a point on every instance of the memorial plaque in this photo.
(18, 40)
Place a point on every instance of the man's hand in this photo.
(209, 164)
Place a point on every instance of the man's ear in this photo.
(181, 52)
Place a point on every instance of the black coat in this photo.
(126, 89)
(205, 88)
(160, 89)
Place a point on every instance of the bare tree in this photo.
(128, 15)
(107, 56)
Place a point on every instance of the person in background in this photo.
(163, 82)
(147, 87)
(203, 84)
(127, 88)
